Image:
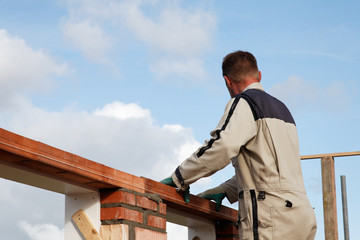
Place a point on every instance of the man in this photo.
(258, 135)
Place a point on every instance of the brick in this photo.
(146, 203)
(146, 234)
(162, 208)
(226, 230)
(117, 197)
(115, 231)
(157, 222)
(116, 213)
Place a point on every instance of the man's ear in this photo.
(259, 76)
(228, 81)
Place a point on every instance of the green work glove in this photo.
(215, 196)
(187, 194)
(168, 181)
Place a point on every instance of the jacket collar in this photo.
(255, 85)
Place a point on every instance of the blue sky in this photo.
(141, 80)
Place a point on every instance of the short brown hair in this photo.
(239, 65)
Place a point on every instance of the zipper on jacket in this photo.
(255, 215)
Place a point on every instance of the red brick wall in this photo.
(227, 230)
(144, 214)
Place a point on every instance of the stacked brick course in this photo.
(227, 230)
(142, 215)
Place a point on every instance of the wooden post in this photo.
(329, 197)
(85, 226)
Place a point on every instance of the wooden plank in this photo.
(114, 232)
(342, 154)
(86, 228)
(329, 198)
(34, 152)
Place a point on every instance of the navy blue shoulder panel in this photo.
(263, 105)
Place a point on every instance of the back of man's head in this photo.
(240, 65)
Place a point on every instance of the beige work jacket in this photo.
(258, 135)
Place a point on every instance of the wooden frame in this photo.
(329, 190)
(28, 161)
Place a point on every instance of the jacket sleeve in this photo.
(236, 127)
(230, 187)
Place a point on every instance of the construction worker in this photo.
(258, 135)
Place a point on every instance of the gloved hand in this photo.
(168, 181)
(215, 194)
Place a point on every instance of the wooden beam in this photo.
(329, 198)
(85, 226)
(343, 154)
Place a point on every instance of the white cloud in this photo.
(173, 127)
(187, 70)
(173, 29)
(167, 163)
(43, 231)
(169, 30)
(31, 205)
(90, 39)
(6, 195)
(123, 111)
(302, 95)
(24, 68)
